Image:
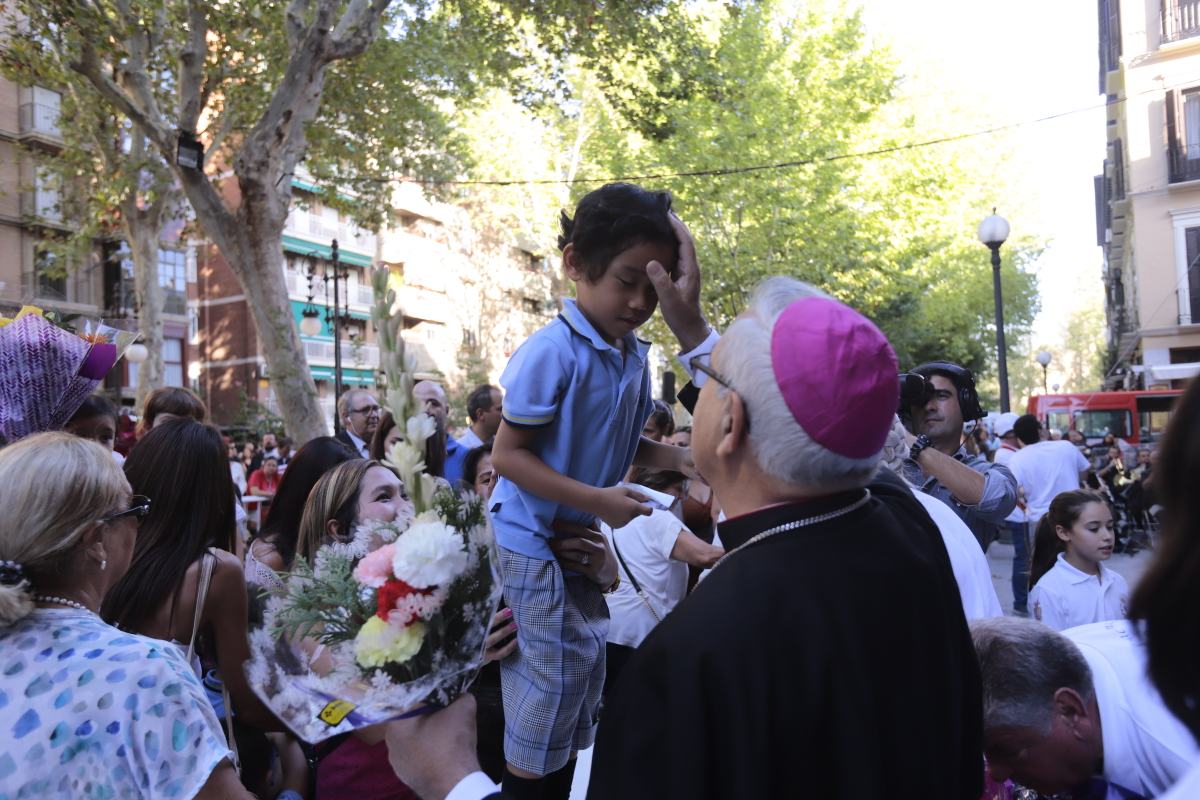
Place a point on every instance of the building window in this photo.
(1110, 38)
(1192, 244)
(50, 278)
(172, 353)
(1180, 19)
(172, 276)
(1183, 134)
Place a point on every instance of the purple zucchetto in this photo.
(837, 374)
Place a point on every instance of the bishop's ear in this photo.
(735, 425)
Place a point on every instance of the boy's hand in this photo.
(617, 506)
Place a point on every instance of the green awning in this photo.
(356, 377)
(303, 247)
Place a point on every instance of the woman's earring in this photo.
(103, 564)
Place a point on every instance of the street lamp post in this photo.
(1043, 358)
(310, 324)
(993, 231)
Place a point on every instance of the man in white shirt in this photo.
(359, 412)
(1044, 469)
(485, 410)
(1060, 709)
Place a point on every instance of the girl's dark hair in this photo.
(1167, 598)
(1064, 511)
(171, 400)
(435, 446)
(471, 465)
(663, 418)
(612, 219)
(181, 467)
(658, 479)
(96, 405)
(282, 528)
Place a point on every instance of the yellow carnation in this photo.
(379, 643)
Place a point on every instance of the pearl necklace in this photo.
(794, 524)
(62, 601)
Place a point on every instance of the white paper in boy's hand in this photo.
(659, 498)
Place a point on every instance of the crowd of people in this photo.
(787, 597)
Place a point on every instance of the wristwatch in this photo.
(914, 449)
(615, 585)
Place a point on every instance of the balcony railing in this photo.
(1180, 20)
(39, 118)
(1184, 163)
(363, 356)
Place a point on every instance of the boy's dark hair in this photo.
(613, 218)
(479, 400)
(1028, 429)
(96, 405)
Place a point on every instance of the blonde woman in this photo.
(94, 711)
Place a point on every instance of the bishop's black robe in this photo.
(832, 661)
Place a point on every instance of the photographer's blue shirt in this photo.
(589, 402)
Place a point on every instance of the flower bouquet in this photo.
(394, 620)
(47, 369)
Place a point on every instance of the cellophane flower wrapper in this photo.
(376, 627)
(47, 372)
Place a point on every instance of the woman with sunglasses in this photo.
(90, 710)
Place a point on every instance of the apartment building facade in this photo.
(461, 294)
(1148, 195)
(100, 285)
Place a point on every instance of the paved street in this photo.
(1000, 560)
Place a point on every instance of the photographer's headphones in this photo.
(964, 382)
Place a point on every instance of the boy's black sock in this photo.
(524, 788)
(558, 784)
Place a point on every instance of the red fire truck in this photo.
(1138, 417)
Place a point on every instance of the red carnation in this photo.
(393, 590)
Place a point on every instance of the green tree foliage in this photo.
(768, 83)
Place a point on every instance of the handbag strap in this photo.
(206, 569)
(637, 587)
(207, 562)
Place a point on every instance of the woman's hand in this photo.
(502, 628)
(585, 551)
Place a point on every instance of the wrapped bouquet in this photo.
(47, 369)
(394, 620)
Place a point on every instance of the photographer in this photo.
(937, 400)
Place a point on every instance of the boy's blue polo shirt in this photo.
(589, 402)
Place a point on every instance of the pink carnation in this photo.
(375, 567)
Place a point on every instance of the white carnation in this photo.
(407, 459)
(429, 554)
(420, 428)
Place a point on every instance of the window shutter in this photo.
(1173, 138)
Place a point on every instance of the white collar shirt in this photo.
(470, 440)
(359, 444)
(1186, 789)
(1146, 749)
(1067, 597)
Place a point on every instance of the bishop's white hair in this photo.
(780, 446)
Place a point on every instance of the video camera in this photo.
(915, 390)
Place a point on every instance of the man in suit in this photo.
(359, 411)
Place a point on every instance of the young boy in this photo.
(577, 396)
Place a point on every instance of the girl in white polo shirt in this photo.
(1071, 585)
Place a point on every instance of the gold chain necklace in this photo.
(793, 525)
